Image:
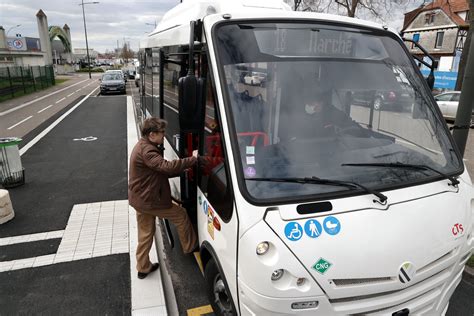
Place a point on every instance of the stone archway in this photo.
(56, 31)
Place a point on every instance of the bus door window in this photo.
(213, 180)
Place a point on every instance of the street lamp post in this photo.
(11, 28)
(85, 31)
(152, 24)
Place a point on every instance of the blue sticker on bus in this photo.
(313, 228)
(331, 225)
(204, 207)
(293, 231)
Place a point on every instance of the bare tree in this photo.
(379, 9)
(127, 53)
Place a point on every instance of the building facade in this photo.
(441, 28)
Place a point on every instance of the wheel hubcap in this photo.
(220, 296)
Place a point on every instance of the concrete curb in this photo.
(468, 274)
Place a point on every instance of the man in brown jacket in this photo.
(150, 194)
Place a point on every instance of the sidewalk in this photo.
(74, 211)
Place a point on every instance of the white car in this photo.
(448, 104)
(254, 79)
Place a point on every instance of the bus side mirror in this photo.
(431, 80)
(190, 102)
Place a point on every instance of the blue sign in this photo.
(313, 228)
(204, 207)
(443, 79)
(332, 226)
(293, 231)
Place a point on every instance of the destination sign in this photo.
(311, 42)
(327, 46)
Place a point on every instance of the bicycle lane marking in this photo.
(44, 109)
(22, 121)
(38, 99)
(50, 127)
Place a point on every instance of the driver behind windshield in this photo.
(318, 117)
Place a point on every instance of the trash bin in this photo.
(12, 173)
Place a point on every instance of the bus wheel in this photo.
(221, 300)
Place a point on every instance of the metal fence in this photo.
(21, 80)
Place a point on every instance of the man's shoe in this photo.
(154, 267)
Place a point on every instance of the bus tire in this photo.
(217, 290)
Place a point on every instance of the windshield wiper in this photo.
(316, 180)
(453, 180)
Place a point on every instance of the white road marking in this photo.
(45, 108)
(93, 230)
(13, 126)
(70, 94)
(78, 90)
(60, 100)
(38, 99)
(5, 241)
(86, 139)
(50, 127)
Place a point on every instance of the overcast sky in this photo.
(108, 21)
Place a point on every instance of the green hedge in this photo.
(92, 70)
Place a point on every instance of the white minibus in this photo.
(308, 199)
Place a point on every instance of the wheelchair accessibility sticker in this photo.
(293, 231)
(312, 228)
(332, 226)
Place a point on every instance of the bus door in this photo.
(217, 218)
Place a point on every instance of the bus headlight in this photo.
(262, 248)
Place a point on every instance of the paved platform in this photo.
(76, 192)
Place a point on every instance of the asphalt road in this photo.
(21, 115)
(63, 171)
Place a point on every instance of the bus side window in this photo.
(213, 171)
(171, 73)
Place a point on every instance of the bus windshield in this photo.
(314, 100)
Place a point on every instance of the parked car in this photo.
(448, 103)
(255, 79)
(395, 100)
(117, 72)
(112, 82)
(125, 73)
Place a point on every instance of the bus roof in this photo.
(174, 28)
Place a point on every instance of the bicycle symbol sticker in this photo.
(332, 226)
(293, 231)
(313, 228)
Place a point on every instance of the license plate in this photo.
(112, 89)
